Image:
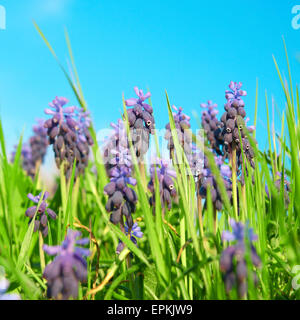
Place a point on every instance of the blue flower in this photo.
(232, 261)
(165, 177)
(140, 100)
(68, 268)
(59, 111)
(235, 94)
(134, 233)
(238, 233)
(41, 221)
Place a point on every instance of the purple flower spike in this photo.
(41, 220)
(286, 188)
(165, 177)
(36, 199)
(208, 180)
(58, 105)
(233, 129)
(140, 100)
(68, 132)
(212, 126)
(33, 152)
(141, 122)
(122, 198)
(234, 94)
(184, 134)
(68, 268)
(232, 261)
(238, 232)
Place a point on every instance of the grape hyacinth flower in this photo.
(4, 285)
(182, 127)
(212, 126)
(122, 199)
(69, 135)
(134, 233)
(33, 153)
(41, 220)
(141, 122)
(235, 94)
(68, 268)
(165, 177)
(232, 261)
(286, 187)
(208, 180)
(28, 164)
(234, 122)
(39, 142)
(196, 162)
(116, 151)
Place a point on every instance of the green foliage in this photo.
(174, 259)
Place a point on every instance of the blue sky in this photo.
(193, 49)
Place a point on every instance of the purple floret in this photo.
(141, 122)
(209, 180)
(232, 261)
(235, 94)
(165, 177)
(212, 126)
(68, 132)
(41, 220)
(68, 268)
(140, 100)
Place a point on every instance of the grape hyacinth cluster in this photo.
(182, 127)
(209, 180)
(234, 122)
(41, 220)
(116, 150)
(286, 187)
(33, 153)
(68, 268)
(212, 126)
(122, 199)
(165, 177)
(141, 122)
(39, 142)
(68, 132)
(27, 163)
(233, 263)
(196, 162)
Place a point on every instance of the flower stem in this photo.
(215, 220)
(234, 178)
(42, 255)
(143, 173)
(199, 207)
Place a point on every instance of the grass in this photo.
(178, 256)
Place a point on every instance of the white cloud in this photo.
(51, 8)
(54, 6)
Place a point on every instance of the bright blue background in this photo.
(191, 48)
